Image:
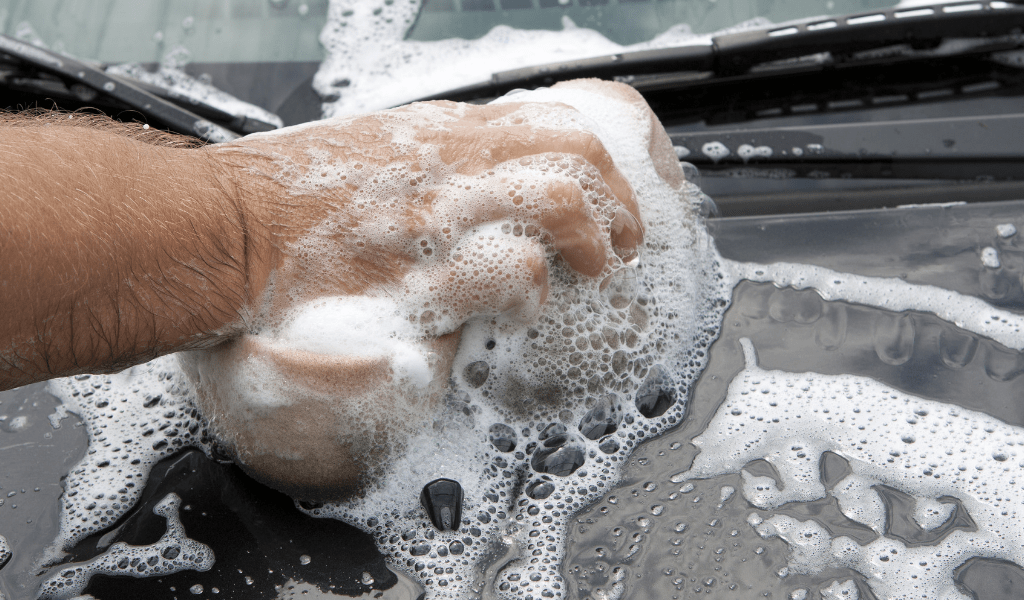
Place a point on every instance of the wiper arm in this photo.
(736, 53)
(239, 124)
(82, 79)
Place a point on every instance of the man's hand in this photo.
(118, 247)
(375, 204)
(448, 211)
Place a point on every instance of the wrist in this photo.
(245, 199)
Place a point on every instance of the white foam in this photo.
(716, 151)
(966, 312)
(172, 553)
(170, 76)
(370, 65)
(990, 257)
(133, 419)
(930, 514)
(359, 326)
(845, 590)
(1006, 230)
(809, 543)
(746, 152)
(859, 502)
(942, 451)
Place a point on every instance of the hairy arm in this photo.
(115, 249)
(119, 244)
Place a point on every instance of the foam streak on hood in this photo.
(966, 312)
(921, 447)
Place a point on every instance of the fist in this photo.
(385, 234)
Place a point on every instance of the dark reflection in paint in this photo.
(661, 562)
(260, 540)
(834, 468)
(900, 523)
(990, 579)
(915, 352)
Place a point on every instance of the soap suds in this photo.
(170, 76)
(359, 326)
(172, 553)
(809, 543)
(930, 514)
(579, 381)
(966, 312)
(990, 257)
(370, 65)
(133, 419)
(5, 552)
(923, 448)
(1006, 230)
(845, 590)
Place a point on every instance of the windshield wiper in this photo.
(40, 72)
(736, 54)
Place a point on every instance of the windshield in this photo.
(303, 59)
(620, 21)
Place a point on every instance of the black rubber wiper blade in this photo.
(72, 72)
(736, 53)
(240, 124)
(922, 26)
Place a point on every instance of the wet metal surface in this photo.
(648, 537)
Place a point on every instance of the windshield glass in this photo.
(621, 21)
(236, 31)
(369, 55)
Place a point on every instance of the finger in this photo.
(629, 233)
(574, 232)
(660, 145)
(475, 149)
(663, 155)
(577, 223)
(587, 145)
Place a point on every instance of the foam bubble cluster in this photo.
(133, 419)
(172, 553)
(370, 65)
(5, 552)
(553, 385)
(966, 312)
(931, 451)
(544, 410)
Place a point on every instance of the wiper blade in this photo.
(736, 53)
(86, 82)
(240, 124)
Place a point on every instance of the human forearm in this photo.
(113, 251)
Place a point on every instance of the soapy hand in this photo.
(357, 205)
(319, 275)
(438, 213)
